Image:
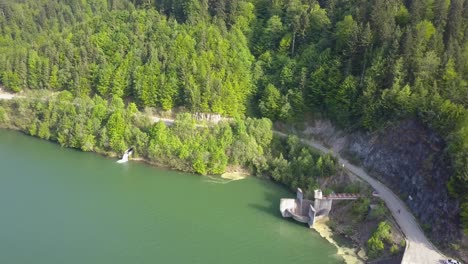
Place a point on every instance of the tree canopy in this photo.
(361, 64)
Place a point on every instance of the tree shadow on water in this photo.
(271, 207)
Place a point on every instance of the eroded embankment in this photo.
(349, 254)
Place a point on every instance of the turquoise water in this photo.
(64, 206)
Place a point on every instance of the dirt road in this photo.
(5, 95)
(419, 250)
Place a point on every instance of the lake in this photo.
(64, 206)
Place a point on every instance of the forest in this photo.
(360, 63)
(109, 127)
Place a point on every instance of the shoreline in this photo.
(348, 254)
(232, 173)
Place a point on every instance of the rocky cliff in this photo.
(412, 160)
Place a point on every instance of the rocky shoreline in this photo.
(412, 160)
(351, 255)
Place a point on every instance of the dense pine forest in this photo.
(360, 63)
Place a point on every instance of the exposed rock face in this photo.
(411, 160)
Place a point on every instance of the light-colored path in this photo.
(5, 95)
(419, 250)
(167, 121)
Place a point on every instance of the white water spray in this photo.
(125, 156)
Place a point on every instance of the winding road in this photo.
(419, 250)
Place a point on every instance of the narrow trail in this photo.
(6, 96)
(167, 121)
(419, 250)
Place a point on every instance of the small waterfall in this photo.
(125, 156)
(123, 159)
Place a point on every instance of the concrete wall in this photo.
(311, 216)
(322, 206)
(286, 204)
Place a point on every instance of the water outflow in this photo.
(125, 156)
(123, 159)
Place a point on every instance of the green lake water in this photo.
(64, 206)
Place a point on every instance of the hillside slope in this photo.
(362, 64)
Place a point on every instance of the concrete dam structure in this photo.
(307, 211)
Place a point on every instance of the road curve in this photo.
(419, 250)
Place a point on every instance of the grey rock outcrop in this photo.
(412, 160)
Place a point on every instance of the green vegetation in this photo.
(96, 125)
(93, 124)
(376, 243)
(464, 215)
(361, 208)
(140, 53)
(361, 64)
(379, 212)
(394, 249)
(296, 165)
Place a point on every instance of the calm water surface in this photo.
(63, 206)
